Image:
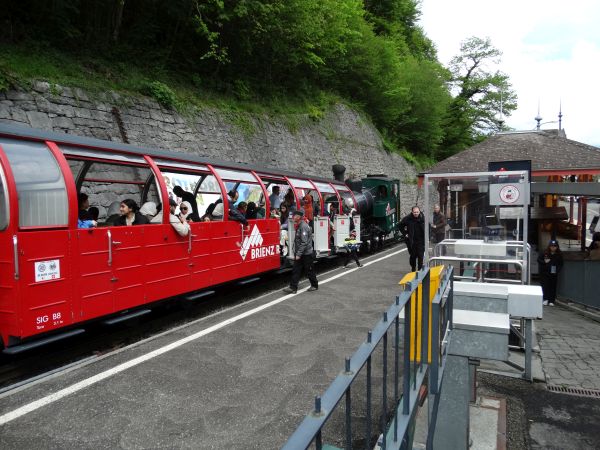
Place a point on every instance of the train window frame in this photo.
(42, 203)
(298, 183)
(141, 180)
(202, 176)
(167, 164)
(270, 181)
(81, 153)
(4, 201)
(324, 188)
(243, 197)
(235, 175)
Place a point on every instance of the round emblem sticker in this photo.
(509, 194)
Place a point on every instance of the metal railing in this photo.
(522, 261)
(395, 421)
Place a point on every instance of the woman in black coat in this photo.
(550, 262)
(130, 214)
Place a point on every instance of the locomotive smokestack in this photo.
(338, 172)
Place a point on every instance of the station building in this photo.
(565, 194)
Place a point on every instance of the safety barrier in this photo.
(416, 374)
(446, 252)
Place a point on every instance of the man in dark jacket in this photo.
(413, 229)
(303, 255)
(438, 225)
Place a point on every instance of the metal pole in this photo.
(426, 217)
(528, 338)
(524, 275)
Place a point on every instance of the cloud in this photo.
(551, 52)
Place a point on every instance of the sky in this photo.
(550, 50)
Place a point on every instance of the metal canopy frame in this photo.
(429, 178)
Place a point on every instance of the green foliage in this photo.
(162, 93)
(274, 57)
(481, 92)
(4, 81)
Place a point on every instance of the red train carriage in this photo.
(55, 276)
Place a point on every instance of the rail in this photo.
(441, 251)
(416, 373)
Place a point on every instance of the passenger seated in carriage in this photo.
(130, 214)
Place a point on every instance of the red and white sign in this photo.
(47, 270)
(509, 194)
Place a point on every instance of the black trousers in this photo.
(304, 264)
(548, 282)
(416, 254)
(351, 254)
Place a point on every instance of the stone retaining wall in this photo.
(293, 143)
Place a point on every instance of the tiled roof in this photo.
(547, 150)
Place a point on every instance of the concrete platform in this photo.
(240, 379)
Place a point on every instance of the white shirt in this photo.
(274, 200)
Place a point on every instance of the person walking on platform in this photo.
(352, 246)
(413, 229)
(303, 255)
(550, 262)
(438, 225)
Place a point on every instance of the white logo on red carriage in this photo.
(253, 245)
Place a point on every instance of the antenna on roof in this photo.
(560, 115)
(538, 118)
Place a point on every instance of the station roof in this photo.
(550, 152)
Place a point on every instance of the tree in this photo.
(480, 93)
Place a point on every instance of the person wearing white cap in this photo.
(178, 222)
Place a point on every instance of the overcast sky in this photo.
(551, 52)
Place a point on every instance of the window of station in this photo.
(40, 184)
(249, 191)
(4, 211)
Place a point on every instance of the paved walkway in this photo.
(569, 348)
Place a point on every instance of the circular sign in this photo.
(509, 194)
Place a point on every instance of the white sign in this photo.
(47, 270)
(509, 194)
(253, 245)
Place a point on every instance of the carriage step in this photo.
(248, 281)
(199, 295)
(39, 342)
(124, 317)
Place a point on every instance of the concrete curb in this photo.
(580, 309)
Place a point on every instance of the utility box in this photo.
(525, 301)
(435, 275)
(321, 234)
(341, 231)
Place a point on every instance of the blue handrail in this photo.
(414, 373)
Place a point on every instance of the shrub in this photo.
(162, 93)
